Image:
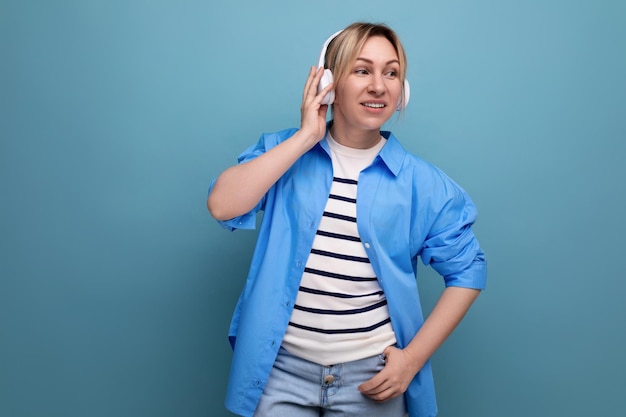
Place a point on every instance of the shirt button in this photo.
(329, 379)
(367, 245)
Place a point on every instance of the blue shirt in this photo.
(406, 208)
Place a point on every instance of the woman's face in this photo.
(369, 94)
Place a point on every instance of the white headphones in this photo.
(327, 78)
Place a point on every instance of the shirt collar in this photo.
(392, 154)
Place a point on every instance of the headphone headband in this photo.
(322, 60)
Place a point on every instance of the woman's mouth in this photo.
(374, 105)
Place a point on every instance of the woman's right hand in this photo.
(312, 111)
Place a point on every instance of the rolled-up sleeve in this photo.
(246, 220)
(265, 143)
(451, 247)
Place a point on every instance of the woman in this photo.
(329, 322)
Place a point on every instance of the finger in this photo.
(323, 110)
(314, 78)
(380, 392)
(385, 395)
(325, 91)
(316, 82)
(374, 385)
(309, 81)
(375, 391)
(315, 102)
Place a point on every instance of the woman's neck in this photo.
(354, 138)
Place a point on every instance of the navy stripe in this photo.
(340, 256)
(337, 276)
(342, 312)
(338, 294)
(345, 180)
(342, 331)
(338, 236)
(339, 216)
(342, 198)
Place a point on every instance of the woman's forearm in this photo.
(444, 318)
(239, 188)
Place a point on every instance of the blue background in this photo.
(116, 286)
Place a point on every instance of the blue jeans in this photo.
(299, 388)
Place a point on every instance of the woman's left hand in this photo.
(393, 380)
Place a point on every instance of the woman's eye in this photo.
(360, 71)
(392, 74)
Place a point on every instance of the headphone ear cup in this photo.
(327, 79)
(407, 94)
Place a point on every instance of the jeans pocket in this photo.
(381, 361)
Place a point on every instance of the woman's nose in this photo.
(377, 85)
